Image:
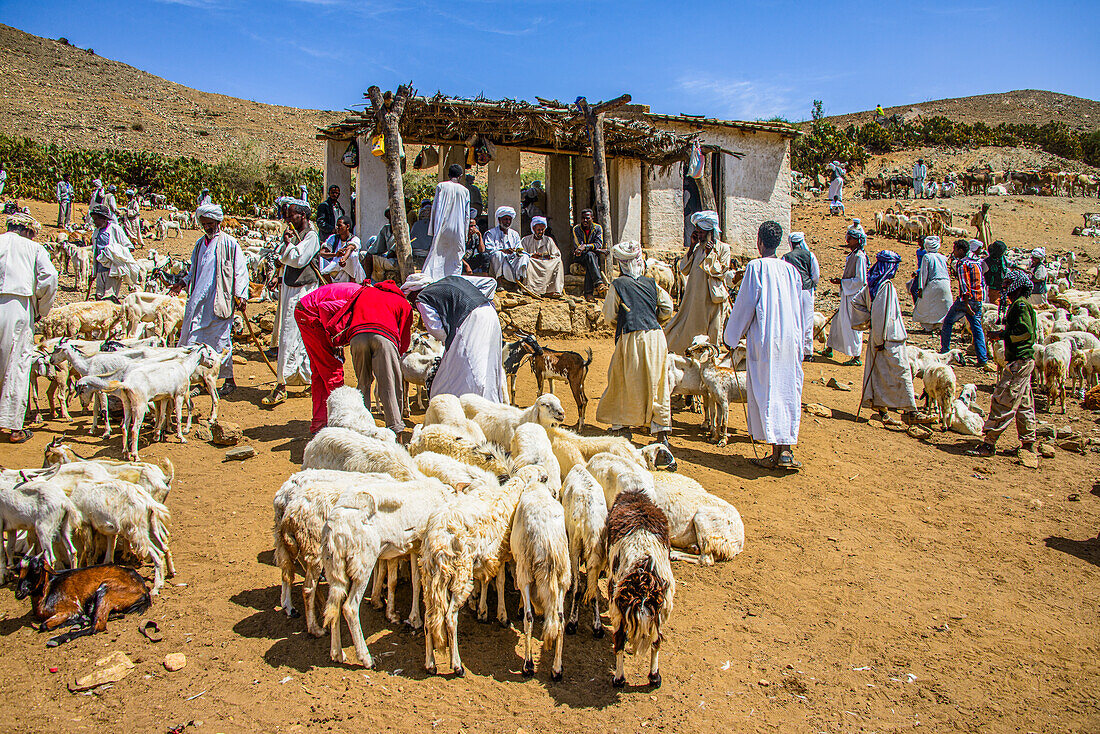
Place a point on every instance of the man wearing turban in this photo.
(1038, 271)
(545, 273)
(28, 284)
(805, 262)
(507, 259)
(705, 302)
(637, 393)
(842, 337)
(217, 285)
(448, 226)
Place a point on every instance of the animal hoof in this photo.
(618, 682)
(504, 623)
(528, 668)
(571, 628)
(597, 633)
(430, 669)
(556, 676)
(293, 613)
(483, 620)
(371, 665)
(460, 672)
(655, 680)
(316, 633)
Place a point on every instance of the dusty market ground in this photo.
(893, 585)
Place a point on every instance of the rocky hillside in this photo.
(54, 92)
(1023, 106)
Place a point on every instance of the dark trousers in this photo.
(478, 262)
(593, 277)
(957, 312)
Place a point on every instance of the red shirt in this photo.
(374, 309)
(325, 302)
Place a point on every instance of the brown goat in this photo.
(83, 598)
(552, 364)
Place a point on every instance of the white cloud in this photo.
(738, 99)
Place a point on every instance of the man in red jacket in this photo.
(332, 316)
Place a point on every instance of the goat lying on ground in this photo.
(83, 598)
(550, 364)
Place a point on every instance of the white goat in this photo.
(723, 386)
(586, 525)
(343, 449)
(939, 391)
(499, 421)
(36, 506)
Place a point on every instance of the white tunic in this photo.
(293, 363)
(502, 263)
(934, 281)
(544, 275)
(473, 362)
(28, 283)
(351, 271)
(768, 312)
(448, 226)
(200, 324)
(842, 337)
(888, 383)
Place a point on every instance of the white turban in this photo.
(628, 256)
(210, 211)
(931, 243)
(96, 182)
(797, 239)
(538, 220)
(975, 246)
(416, 282)
(22, 219)
(706, 220)
(505, 211)
(1039, 252)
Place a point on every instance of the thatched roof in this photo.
(543, 127)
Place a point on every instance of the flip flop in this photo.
(150, 631)
(853, 362)
(24, 435)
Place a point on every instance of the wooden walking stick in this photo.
(256, 343)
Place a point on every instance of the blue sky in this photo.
(747, 60)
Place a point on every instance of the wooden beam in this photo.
(387, 113)
(594, 121)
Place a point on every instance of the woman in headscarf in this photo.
(996, 264)
(637, 393)
(545, 273)
(113, 261)
(842, 336)
(1038, 271)
(932, 286)
(705, 303)
(887, 379)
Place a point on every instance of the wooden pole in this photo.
(593, 117)
(387, 110)
(706, 191)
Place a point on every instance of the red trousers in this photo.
(328, 371)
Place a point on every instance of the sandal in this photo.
(21, 436)
(275, 397)
(853, 362)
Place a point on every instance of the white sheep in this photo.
(346, 409)
(116, 507)
(380, 522)
(343, 449)
(1055, 367)
(456, 443)
(540, 551)
(1085, 369)
(586, 525)
(572, 449)
(447, 410)
(921, 359)
(463, 542)
(452, 471)
(939, 391)
(499, 421)
(1079, 339)
(530, 445)
(699, 519)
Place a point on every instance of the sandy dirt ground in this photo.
(893, 585)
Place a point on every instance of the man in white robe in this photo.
(805, 262)
(297, 252)
(638, 392)
(217, 283)
(705, 302)
(932, 286)
(887, 380)
(448, 225)
(768, 312)
(113, 262)
(545, 272)
(507, 258)
(842, 337)
(458, 310)
(836, 187)
(28, 284)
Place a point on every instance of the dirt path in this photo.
(893, 585)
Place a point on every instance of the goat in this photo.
(154, 479)
(514, 356)
(939, 391)
(40, 506)
(84, 598)
(723, 385)
(540, 551)
(586, 525)
(641, 587)
(550, 364)
(499, 421)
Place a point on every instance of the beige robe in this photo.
(543, 276)
(638, 393)
(698, 313)
(888, 382)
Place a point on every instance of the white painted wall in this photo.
(371, 197)
(504, 184)
(663, 208)
(626, 199)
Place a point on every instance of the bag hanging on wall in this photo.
(695, 161)
(351, 155)
(428, 157)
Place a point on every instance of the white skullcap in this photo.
(629, 257)
(506, 211)
(1039, 252)
(796, 239)
(415, 282)
(706, 220)
(538, 220)
(209, 211)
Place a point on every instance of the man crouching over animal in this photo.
(637, 391)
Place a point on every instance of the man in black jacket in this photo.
(328, 212)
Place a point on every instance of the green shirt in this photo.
(1021, 331)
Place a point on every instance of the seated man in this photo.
(476, 259)
(340, 255)
(507, 259)
(545, 273)
(380, 254)
(419, 236)
(588, 248)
